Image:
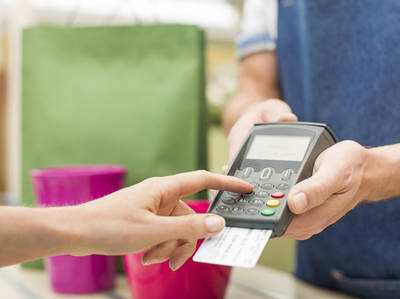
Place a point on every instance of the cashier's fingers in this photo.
(338, 170)
(286, 117)
(314, 191)
(184, 184)
(306, 225)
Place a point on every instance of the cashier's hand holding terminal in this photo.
(147, 215)
(338, 185)
(273, 110)
(273, 158)
(344, 175)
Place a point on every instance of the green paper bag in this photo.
(132, 96)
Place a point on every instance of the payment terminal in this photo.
(274, 157)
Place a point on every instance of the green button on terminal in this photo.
(268, 212)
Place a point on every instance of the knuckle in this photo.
(292, 207)
(191, 226)
(316, 229)
(316, 193)
(320, 187)
(203, 175)
(304, 237)
(347, 177)
(353, 148)
(162, 246)
(305, 233)
(350, 144)
(151, 181)
(157, 186)
(190, 247)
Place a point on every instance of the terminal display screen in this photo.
(283, 148)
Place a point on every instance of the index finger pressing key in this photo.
(196, 181)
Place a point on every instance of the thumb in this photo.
(193, 226)
(315, 190)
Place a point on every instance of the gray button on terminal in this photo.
(229, 200)
(222, 209)
(243, 200)
(262, 194)
(237, 210)
(257, 202)
(266, 173)
(252, 211)
(283, 186)
(267, 186)
(286, 174)
(247, 172)
(233, 194)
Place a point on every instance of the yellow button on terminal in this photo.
(273, 203)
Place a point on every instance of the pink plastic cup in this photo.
(193, 280)
(72, 186)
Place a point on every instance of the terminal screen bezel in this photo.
(278, 165)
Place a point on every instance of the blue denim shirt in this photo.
(339, 63)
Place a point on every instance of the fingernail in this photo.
(172, 268)
(225, 169)
(173, 265)
(150, 262)
(214, 223)
(176, 263)
(300, 202)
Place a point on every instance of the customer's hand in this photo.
(152, 215)
(272, 110)
(337, 186)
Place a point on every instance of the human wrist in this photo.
(376, 176)
(67, 230)
(381, 174)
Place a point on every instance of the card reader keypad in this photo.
(270, 191)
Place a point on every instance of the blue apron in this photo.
(339, 63)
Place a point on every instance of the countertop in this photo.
(255, 283)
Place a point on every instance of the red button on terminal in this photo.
(277, 194)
